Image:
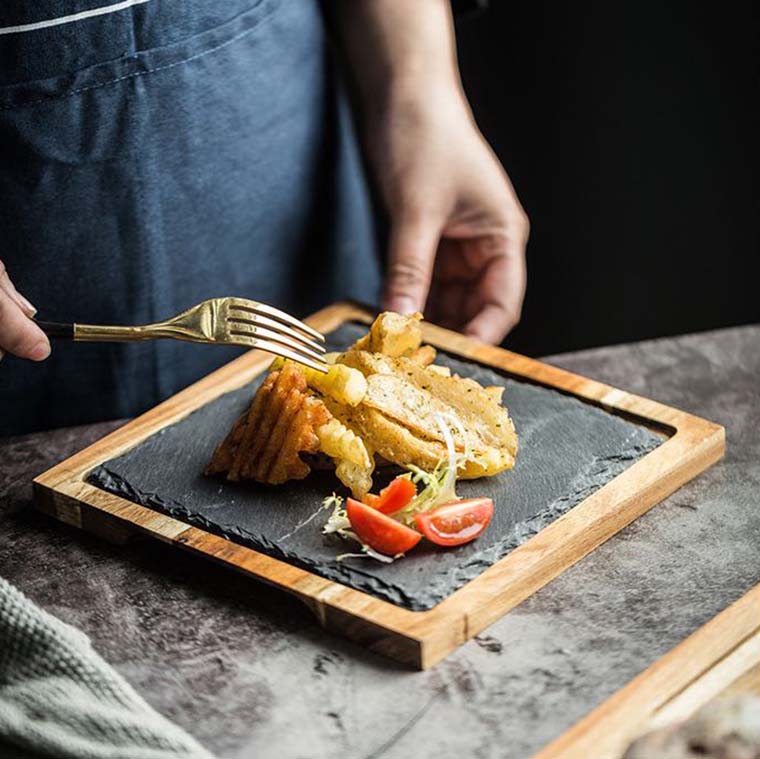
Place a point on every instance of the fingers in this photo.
(14, 294)
(413, 246)
(491, 325)
(500, 292)
(18, 333)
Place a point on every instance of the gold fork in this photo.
(219, 321)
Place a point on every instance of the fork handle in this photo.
(119, 334)
(54, 329)
(97, 333)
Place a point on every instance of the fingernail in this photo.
(403, 305)
(25, 304)
(40, 351)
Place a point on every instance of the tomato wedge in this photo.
(393, 497)
(457, 522)
(379, 531)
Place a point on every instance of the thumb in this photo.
(18, 333)
(413, 247)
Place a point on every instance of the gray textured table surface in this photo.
(247, 671)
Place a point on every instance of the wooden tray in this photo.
(721, 657)
(419, 638)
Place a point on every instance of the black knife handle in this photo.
(53, 329)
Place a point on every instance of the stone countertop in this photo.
(247, 671)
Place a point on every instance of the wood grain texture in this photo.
(719, 657)
(726, 674)
(747, 682)
(419, 639)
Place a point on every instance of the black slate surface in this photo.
(568, 449)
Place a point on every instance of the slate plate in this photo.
(568, 449)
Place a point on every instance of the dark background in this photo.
(630, 132)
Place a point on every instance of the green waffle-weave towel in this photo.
(59, 699)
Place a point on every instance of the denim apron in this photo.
(156, 153)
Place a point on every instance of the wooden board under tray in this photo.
(721, 658)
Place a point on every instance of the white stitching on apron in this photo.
(103, 10)
(134, 74)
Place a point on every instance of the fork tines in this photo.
(270, 329)
(261, 309)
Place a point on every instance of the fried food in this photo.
(424, 355)
(266, 442)
(381, 401)
(353, 463)
(411, 406)
(475, 406)
(495, 392)
(391, 441)
(342, 383)
(414, 395)
(339, 442)
(392, 335)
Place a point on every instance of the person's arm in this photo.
(18, 333)
(458, 232)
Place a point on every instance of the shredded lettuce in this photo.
(369, 553)
(439, 487)
(326, 504)
(457, 423)
(338, 520)
(440, 484)
(333, 500)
